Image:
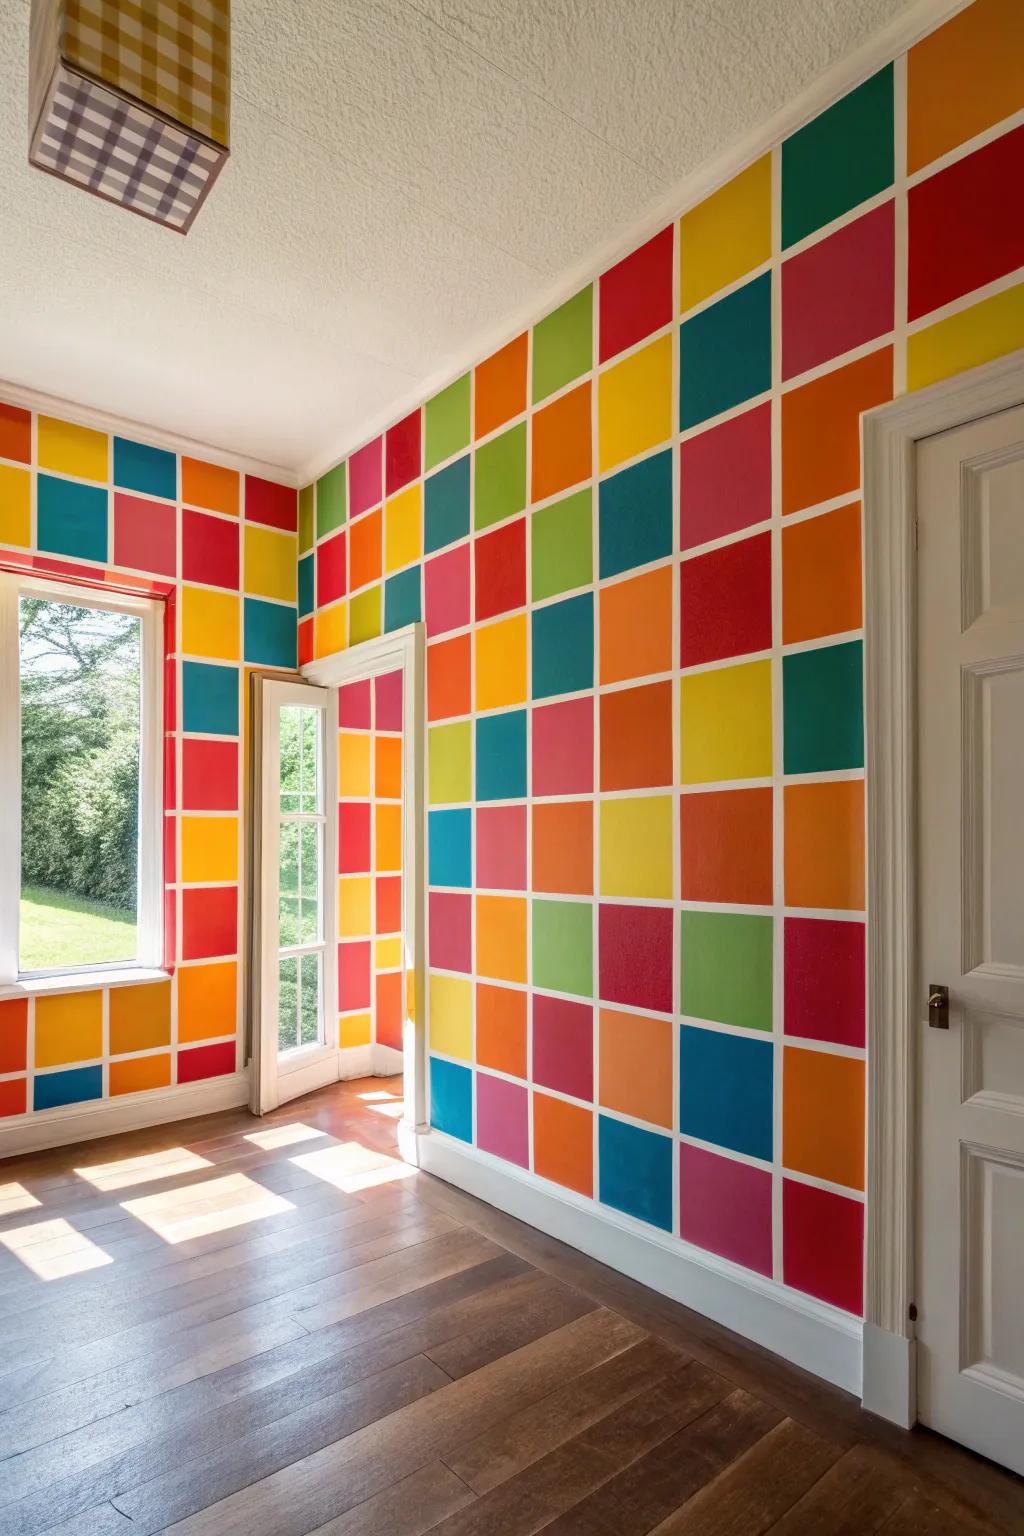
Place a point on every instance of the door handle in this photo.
(938, 1006)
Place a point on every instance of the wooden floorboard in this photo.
(333, 1347)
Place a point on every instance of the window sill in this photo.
(82, 981)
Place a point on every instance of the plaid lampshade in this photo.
(130, 100)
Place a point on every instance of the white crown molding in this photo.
(882, 48)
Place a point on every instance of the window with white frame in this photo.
(81, 723)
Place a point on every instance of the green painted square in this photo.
(562, 947)
(499, 477)
(331, 500)
(823, 709)
(563, 345)
(448, 422)
(307, 517)
(449, 763)
(840, 158)
(364, 615)
(727, 968)
(562, 546)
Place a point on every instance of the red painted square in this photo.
(446, 590)
(966, 224)
(402, 452)
(726, 1207)
(387, 696)
(354, 976)
(267, 502)
(209, 775)
(170, 849)
(389, 1009)
(12, 1097)
(824, 980)
(15, 434)
(635, 956)
(635, 296)
(145, 534)
(449, 678)
(725, 601)
(14, 1035)
(170, 929)
(306, 641)
(451, 931)
(170, 694)
(725, 478)
(500, 564)
(354, 706)
(353, 839)
(206, 1061)
(726, 846)
(170, 773)
(501, 848)
(365, 477)
(563, 1046)
(330, 569)
(823, 1245)
(839, 293)
(209, 549)
(388, 903)
(563, 748)
(209, 922)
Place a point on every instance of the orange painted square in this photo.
(823, 1116)
(501, 937)
(636, 737)
(388, 832)
(209, 485)
(501, 1029)
(725, 841)
(388, 905)
(389, 1010)
(12, 1097)
(821, 575)
(964, 77)
(449, 678)
(635, 1055)
(387, 767)
(824, 845)
(563, 1143)
(14, 1035)
(15, 441)
(563, 847)
(139, 1074)
(500, 387)
(561, 444)
(206, 1001)
(140, 1017)
(636, 626)
(821, 430)
(364, 550)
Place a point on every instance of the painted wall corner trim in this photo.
(890, 1375)
(808, 1333)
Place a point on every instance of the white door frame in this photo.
(890, 639)
(402, 649)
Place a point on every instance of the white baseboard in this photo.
(806, 1332)
(355, 1061)
(387, 1062)
(890, 1375)
(132, 1112)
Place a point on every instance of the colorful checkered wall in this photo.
(634, 535)
(219, 548)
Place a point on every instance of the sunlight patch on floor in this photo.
(391, 1111)
(179, 1214)
(14, 1198)
(378, 1093)
(54, 1249)
(352, 1167)
(284, 1135)
(166, 1164)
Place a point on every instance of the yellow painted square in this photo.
(354, 896)
(501, 663)
(270, 563)
(726, 235)
(637, 846)
(364, 616)
(15, 506)
(403, 528)
(354, 765)
(388, 835)
(207, 1001)
(330, 629)
(634, 404)
(449, 763)
(966, 340)
(72, 450)
(451, 1016)
(209, 849)
(69, 1027)
(140, 1017)
(355, 1029)
(725, 723)
(209, 623)
(387, 955)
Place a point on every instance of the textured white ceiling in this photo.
(403, 177)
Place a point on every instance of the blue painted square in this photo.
(636, 1171)
(446, 506)
(209, 698)
(270, 633)
(402, 602)
(451, 1099)
(450, 848)
(501, 756)
(50, 1089)
(71, 519)
(725, 1090)
(563, 646)
(725, 353)
(138, 467)
(635, 515)
(305, 585)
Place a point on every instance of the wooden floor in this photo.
(273, 1327)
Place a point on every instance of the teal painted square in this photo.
(501, 756)
(725, 353)
(823, 709)
(307, 517)
(451, 1099)
(138, 467)
(446, 506)
(450, 848)
(331, 500)
(726, 968)
(842, 157)
(562, 546)
(71, 519)
(305, 585)
(499, 477)
(447, 422)
(74, 1086)
(563, 344)
(562, 947)
(725, 1090)
(270, 633)
(635, 515)
(563, 646)
(635, 1171)
(402, 603)
(209, 699)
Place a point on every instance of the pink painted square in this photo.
(145, 535)
(354, 706)
(502, 1124)
(353, 839)
(331, 577)
(824, 980)
(365, 483)
(209, 549)
(501, 848)
(840, 293)
(635, 956)
(563, 1046)
(402, 452)
(726, 1207)
(388, 701)
(725, 478)
(563, 748)
(353, 975)
(446, 590)
(451, 931)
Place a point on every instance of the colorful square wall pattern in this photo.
(366, 477)
(447, 424)
(71, 519)
(725, 353)
(824, 973)
(209, 550)
(561, 546)
(858, 262)
(636, 737)
(563, 646)
(502, 1119)
(635, 296)
(635, 515)
(725, 1206)
(499, 477)
(145, 535)
(725, 601)
(635, 1171)
(725, 477)
(500, 386)
(726, 235)
(635, 952)
(839, 159)
(636, 626)
(634, 404)
(725, 723)
(726, 846)
(563, 344)
(402, 453)
(725, 1090)
(446, 505)
(562, 947)
(563, 1143)
(501, 1028)
(563, 1046)
(561, 444)
(636, 1071)
(501, 756)
(726, 968)
(823, 708)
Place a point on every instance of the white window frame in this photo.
(150, 951)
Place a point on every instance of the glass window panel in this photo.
(309, 1000)
(288, 884)
(289, 757)
(287, 1003)
(309, 800)
(309, 882)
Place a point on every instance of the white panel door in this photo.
(970, 1210)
